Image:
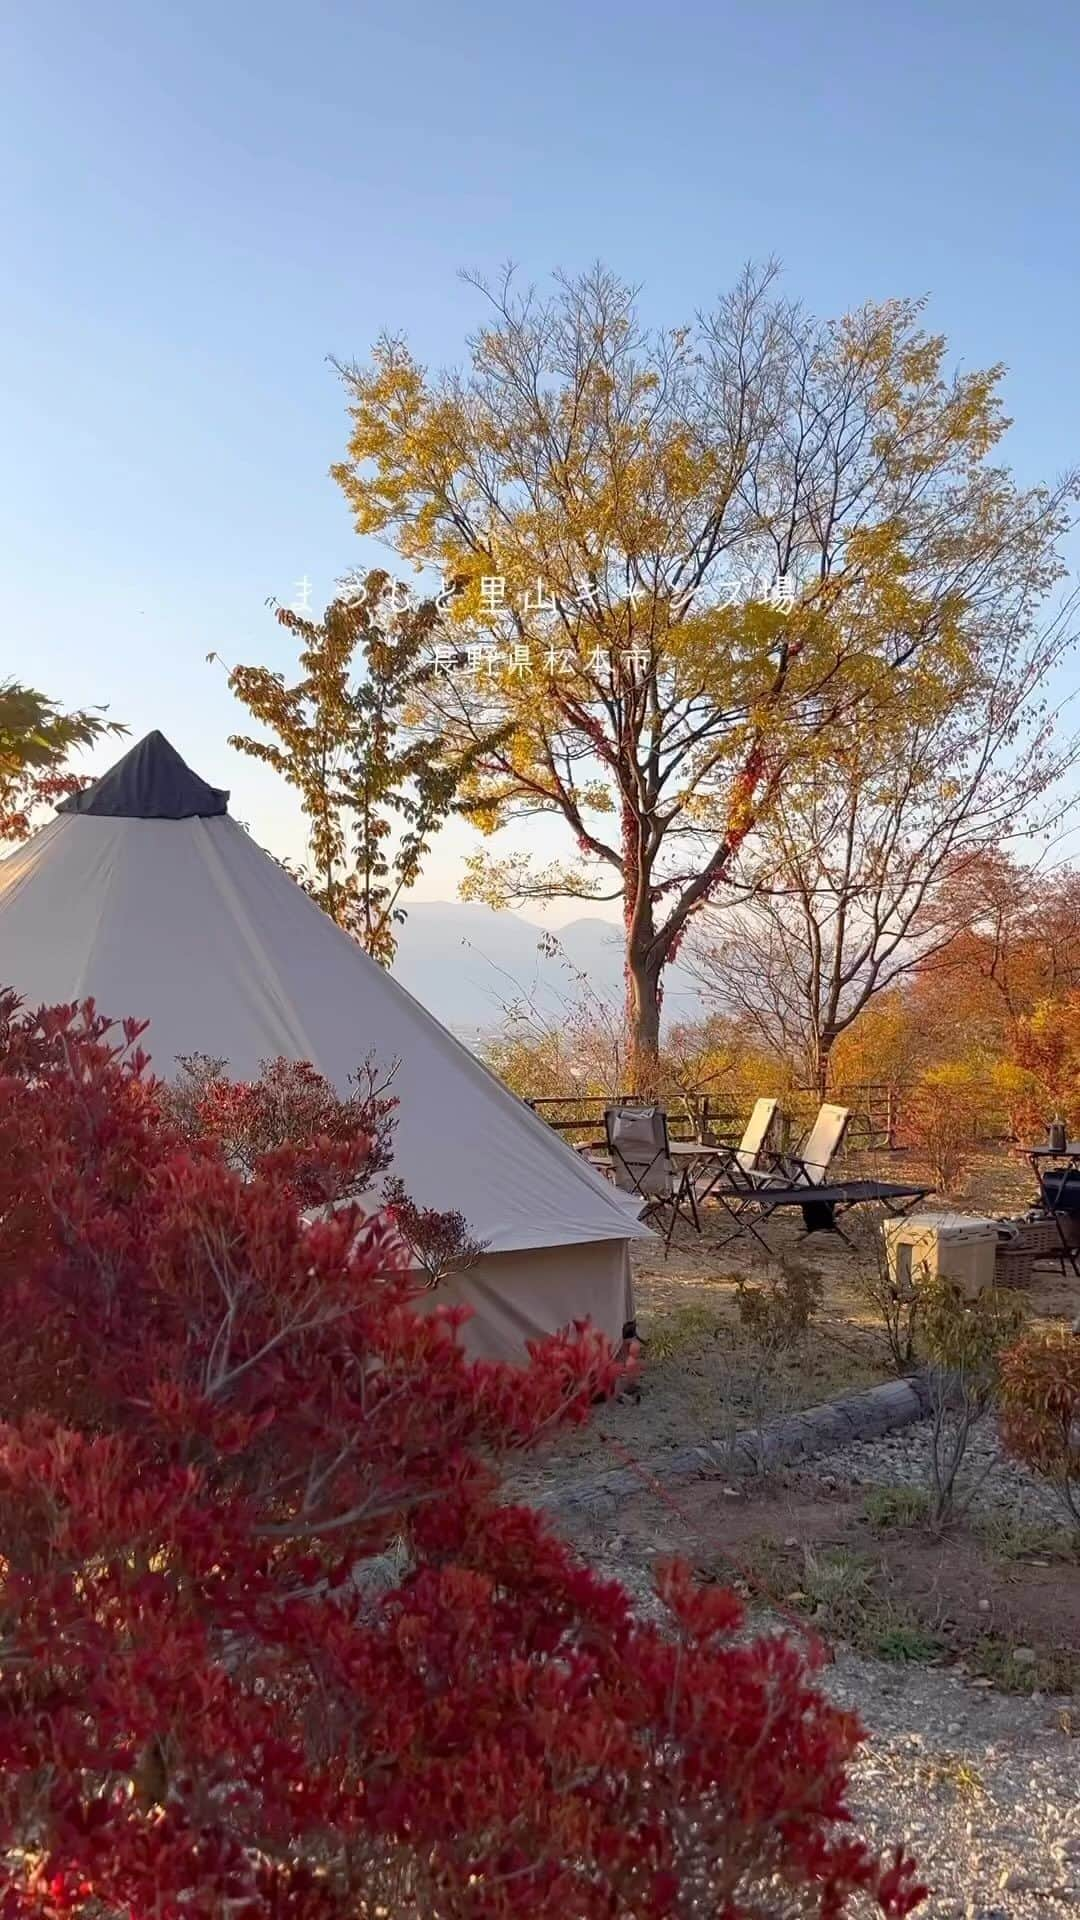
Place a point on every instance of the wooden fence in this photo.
(875, 1113)
(580, 1116)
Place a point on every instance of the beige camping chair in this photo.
(809, 1165)
(741, 1166)
(641, 1163)
(761, 1136)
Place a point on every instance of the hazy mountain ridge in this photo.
(470, 965)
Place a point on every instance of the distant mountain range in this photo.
(470, 965)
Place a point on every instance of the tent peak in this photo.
(150, 782)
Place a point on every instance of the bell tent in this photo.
(144, 894)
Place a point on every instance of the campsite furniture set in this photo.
(973, 1250)
(673, 1178)
(749, 1182)
(1049, 1231)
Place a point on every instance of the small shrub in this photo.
(1054, 1669)
(1040, 1411)
(907, 1641)
(777, 1312)
(896, 1507)
(893, 1302)
(844, 1591)
(964, 1339)
(848, 1596)
(1007, 1536)
(774, 1317)
(839, 1586)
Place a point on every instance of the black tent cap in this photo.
(151, 782)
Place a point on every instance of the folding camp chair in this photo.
(802, 1179)
(641, 1162)
(713, 1166)
(809, 1165)
(760, 1136)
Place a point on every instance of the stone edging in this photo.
(801, 1436)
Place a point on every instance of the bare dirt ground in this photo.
(842, 1561)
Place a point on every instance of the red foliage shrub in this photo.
(221, 1694)
(334, 1147)
(1040, 1410)
(439, 1242)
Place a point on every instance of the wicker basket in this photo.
(1013, 1267)
(1027, 1241)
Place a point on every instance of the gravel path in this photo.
(902, 1458)
(983, 1787)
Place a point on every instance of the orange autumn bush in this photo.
(1040, 1411)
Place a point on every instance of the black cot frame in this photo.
(745, 1203)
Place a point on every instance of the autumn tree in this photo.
(1006, 992)
(1046, 1048)
(373, 791)
(886, 1044)
(681, 559)
(36, 739)
(885, 848)
(1019, 945)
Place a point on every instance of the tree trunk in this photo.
(643, 967)
(643, 998)
(821, 1063)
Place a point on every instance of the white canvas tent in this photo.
(143, 893)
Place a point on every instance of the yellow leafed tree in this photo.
(678, 559)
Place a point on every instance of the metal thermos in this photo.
(1056, 1136)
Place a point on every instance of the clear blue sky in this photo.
(202, 202)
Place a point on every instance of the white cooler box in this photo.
(960, 1247)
